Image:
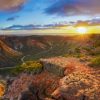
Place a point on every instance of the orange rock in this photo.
(2, 89)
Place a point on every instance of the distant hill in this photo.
(13, 48)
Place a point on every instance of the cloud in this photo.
(31, 27)
(74, 7)
(92, 22)
(22, 27)
(12, 18)
(11, 5)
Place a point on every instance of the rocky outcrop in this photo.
(78, 86)
(79, 82)
(56, 65)
(32, 87)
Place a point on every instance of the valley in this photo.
(49, 49)
(64, 63)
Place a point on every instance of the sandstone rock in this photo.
(48, 99)
(77, 86)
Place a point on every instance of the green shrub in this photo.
(95, 61)
(16, 70)
(32, 66)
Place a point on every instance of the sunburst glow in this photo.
(81, 30)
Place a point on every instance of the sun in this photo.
(81, 30)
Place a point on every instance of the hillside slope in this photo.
(36, 47)
(9, 51)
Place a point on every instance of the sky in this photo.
(37, 14)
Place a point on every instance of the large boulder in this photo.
(56, 65)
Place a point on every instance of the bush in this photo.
(16, 70)
(95, 61)
(96, 51)
(32, 66)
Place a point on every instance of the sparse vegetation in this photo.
(29, 67)
(32, 66)
(95, 62)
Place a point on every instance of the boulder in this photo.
(55, 65)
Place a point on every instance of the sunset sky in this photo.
(45, 16)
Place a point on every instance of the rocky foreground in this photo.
(76, 81)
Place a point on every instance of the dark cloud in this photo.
(94, 22)
(11, 5)
(12, 18)
(74, 7)
(31, 27)
(22, 27)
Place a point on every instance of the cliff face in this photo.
(7, 54)
(9, 51)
